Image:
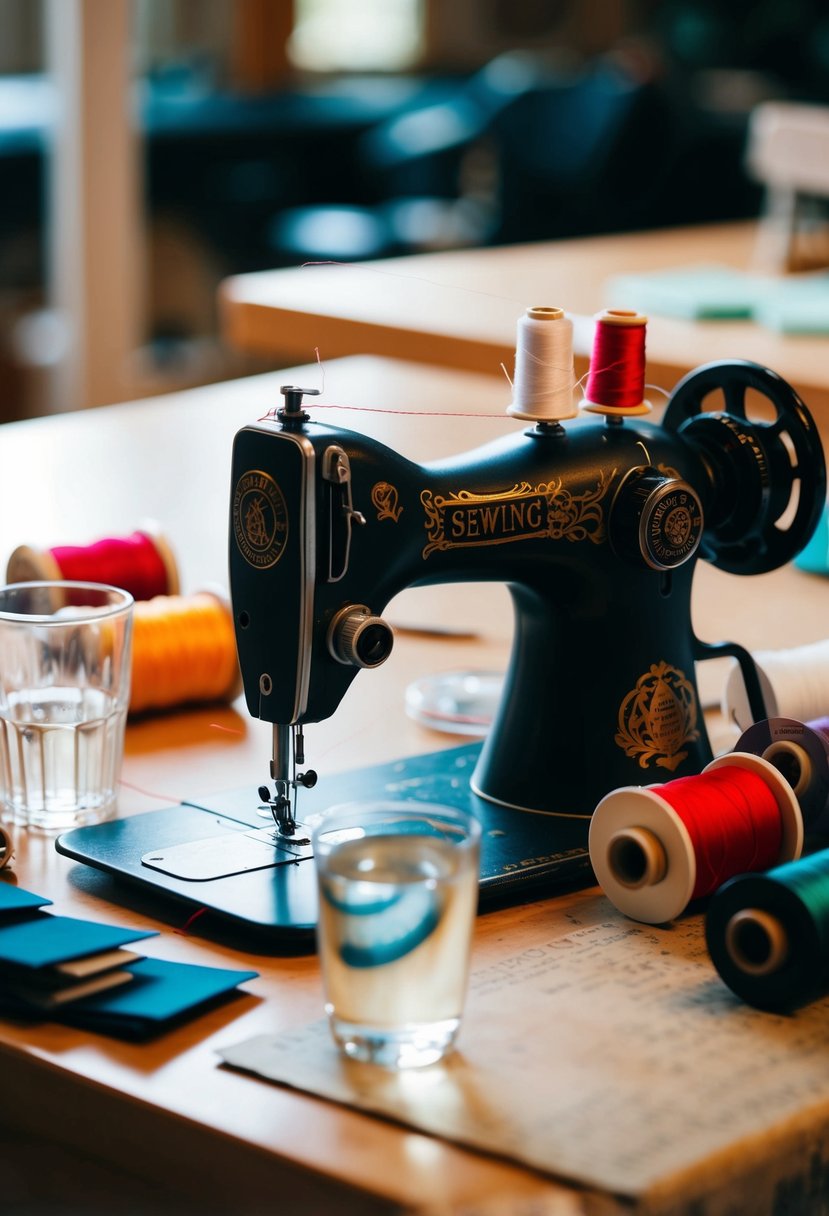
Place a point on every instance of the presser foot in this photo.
(284, 817)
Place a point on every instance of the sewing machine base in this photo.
(221, 843)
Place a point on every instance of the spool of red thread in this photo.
(142, 563)
(656, 848)
(616, 380)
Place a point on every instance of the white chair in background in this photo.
(788, 152)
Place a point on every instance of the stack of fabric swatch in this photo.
(80, 972)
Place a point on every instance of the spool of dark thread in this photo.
(800, 753)
(768, 934)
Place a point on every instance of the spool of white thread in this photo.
(544, 381)
(795, 684)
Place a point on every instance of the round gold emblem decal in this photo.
(260, 519)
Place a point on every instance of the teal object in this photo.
(14, 900)
(815, 556)
(161, 994)
(46, 940)
(768, 934)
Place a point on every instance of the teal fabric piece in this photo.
(14, 900)
(45, 940)
(161, 993)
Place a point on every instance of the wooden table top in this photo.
(459, 309)
(74, 478)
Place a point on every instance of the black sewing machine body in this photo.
(595, 525)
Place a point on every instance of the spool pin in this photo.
(616, 381)
(642, 853)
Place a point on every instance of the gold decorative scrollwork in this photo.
(524, 512)
(658, 718)
(385, 500)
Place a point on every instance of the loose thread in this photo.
(191, 920)
(312, 406)
(411, 278)
(174, 799)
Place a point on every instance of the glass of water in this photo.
(65, 663)
(398, 891)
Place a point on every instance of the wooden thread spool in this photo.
(142, 563)
(644, 855)
(183, 652)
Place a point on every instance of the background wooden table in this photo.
(459, 309)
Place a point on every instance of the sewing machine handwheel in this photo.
(769, 478)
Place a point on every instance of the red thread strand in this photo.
(733, 820)
(617, 366)
(310, 406)
(130, 562)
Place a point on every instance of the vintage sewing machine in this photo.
(595, 524)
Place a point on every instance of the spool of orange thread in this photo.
(142, 563)
(184, 652)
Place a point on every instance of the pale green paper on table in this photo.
(787, 303)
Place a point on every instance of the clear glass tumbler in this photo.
(65, 663)
(398, 891)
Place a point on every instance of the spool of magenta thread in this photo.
(142, 563)
(768, 934)
(616, 380)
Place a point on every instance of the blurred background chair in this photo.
(430, 174)
(788, 153)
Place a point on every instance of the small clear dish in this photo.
(457, 702)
